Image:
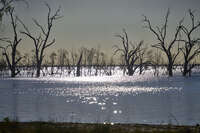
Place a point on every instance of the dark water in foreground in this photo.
(116, 100)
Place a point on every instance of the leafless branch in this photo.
(51, 43)
(24, 26)
(7, 40)
(40, 26)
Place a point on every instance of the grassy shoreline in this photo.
(51, 127)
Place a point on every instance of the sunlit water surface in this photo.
(119, 99)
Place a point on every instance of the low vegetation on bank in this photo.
(49, 127)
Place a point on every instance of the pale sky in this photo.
(95, 22)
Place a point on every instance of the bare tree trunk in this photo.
(170, 69)
(185, 69)
(13, 72)
(141, 69)
(130, 71)
(78, 65)
(38, 69)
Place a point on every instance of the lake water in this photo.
(102, 99)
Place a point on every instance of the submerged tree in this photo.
(156, 60)
(52, 61)
(191, 48)
(62, 56)
(143, 59)
(41, 41)
(78, 64)
(90, 59)
(166, 46)
(11, 58)
(129, 51)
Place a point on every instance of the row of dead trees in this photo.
(85, 61)
(41, 41)
(182, 43)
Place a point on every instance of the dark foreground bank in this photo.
(49, 127)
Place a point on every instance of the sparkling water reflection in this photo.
(101, 99)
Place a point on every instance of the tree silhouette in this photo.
(191, 46)
(163, 44)
(129, 51)
(41, 42)
(12, 45)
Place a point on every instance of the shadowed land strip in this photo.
(50, 127)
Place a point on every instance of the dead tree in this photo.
(97, 60)
(143, 60)
(62, 55)
(163, 44)
(78, 65)
(41, 42)
(129, 52)
(74, 60)
(52, 61)
(12, 59)
(111, 66)
(155, 60)
(62, 59)
(191, 48)
(90, 59)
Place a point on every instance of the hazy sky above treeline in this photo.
(91, 23)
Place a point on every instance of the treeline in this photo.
(70, 61)
(181, 47)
